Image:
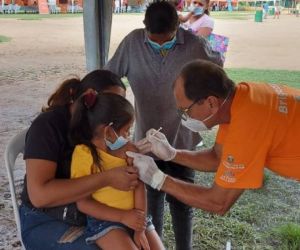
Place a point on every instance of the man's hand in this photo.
(148, 170)
(157, 143)
(135, 219)
(123, 178)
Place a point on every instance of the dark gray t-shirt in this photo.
(151, 77)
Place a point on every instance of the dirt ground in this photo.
(44, 52)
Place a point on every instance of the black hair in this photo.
(107, 108)
(203, 78)
(161, 18)
(71, 89)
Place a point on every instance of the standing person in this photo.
(118, 6)
(258, 128)
(150, 58)
(276, 10)
(99, 128)
(125, 4)
(48, 212)
(198, 20)
(297, 9)
(265, 9)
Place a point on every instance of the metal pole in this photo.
(97, 19)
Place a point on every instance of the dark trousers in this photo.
(182, 215)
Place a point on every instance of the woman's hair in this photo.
(161, 18)
(92, 110)
(71, 89)
(203, 78)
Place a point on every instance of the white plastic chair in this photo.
(14, 148)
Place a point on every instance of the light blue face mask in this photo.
(119, 142)
(165, 46)
(198, 11)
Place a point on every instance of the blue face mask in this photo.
(165, 46)
(119, 142)
(198, 11)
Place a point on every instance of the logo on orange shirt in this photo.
(229, 163)
(228, 176)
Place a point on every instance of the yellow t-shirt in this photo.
(82, 165)
(264, 131)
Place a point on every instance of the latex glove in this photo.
(149, 173)
(160, 145)
(144, 146)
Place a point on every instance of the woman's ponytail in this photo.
(64, 95)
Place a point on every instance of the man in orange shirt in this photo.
(258, 127)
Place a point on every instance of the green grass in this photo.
(39, 17)
(287, 236)
(251, 221)
(4, 39)
(234, 15)
(291, 78)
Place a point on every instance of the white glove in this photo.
(144, 146)
(157, 143)
(160, 145)
(149, 173)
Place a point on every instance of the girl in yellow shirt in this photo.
(100, 126)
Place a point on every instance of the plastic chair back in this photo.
(14, 148)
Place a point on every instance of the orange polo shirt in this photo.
(264, 131)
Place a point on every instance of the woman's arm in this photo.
(46, 191)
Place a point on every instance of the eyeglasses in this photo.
(183, 112)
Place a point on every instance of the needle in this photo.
(160, 128)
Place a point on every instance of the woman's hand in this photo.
(140, 240)
(123, 178)
(135, 219)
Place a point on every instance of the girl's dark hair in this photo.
(161, 18)
(203, 78)
(71, 89)
(107, 108)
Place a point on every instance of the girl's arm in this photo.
(133, 218)
(45, 190)
(140, 201)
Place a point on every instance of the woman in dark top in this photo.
(48, 213)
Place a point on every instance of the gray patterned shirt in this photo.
(151, 76)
